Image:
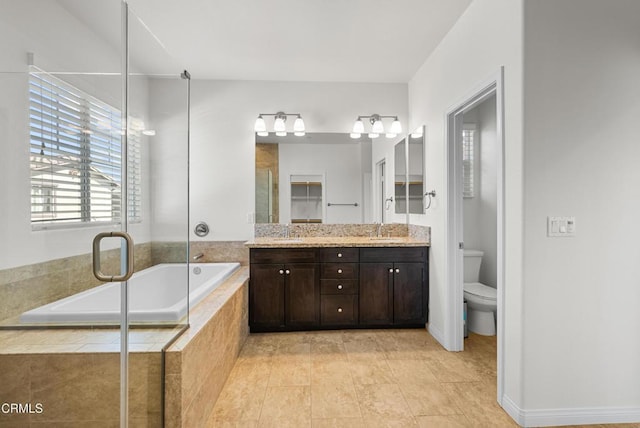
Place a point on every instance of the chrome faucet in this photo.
(379, 233)
(286, 230)
(198, 256)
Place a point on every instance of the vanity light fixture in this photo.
(279, 125)
(377, 126)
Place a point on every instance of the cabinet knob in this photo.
(390, 270)
(397, 270)
(287, 271)
(339, 270)
(280, 271)
(339, 255)
(339, 309)
(339, 286)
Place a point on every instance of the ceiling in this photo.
(281, 40)
(300, 40)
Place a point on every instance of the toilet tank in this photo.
(472, 262)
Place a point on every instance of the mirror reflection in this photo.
(317, 178)
(409, 173)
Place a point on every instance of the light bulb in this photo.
(149, 132)
(263, 134)
(355, 135)
(390, 135)
(298, 125)
(396, 127)
(279, 125)
(260, 126)
(299, 133)
(377, 127)
(281, 133)
(373, 135)
(358, 127)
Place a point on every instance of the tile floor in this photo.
(360, 378)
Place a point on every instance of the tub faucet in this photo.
(198, 256)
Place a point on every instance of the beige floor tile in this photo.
(429, 399)
(338, 423)
(331, 336)
(367, 349)
(371, 372)
(450, 421)
(453, 367)
(405, 422)
(239, 402)
(412, 371)
(477, 400)
(287, 402)
(226, 423)
(382, 401)
(288, 352)
(328, 351)
(290, 373)
(299, 422)
(334, 400)
(331, 372)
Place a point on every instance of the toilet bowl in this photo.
(481, 299)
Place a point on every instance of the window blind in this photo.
(75, 156)
(468, 136)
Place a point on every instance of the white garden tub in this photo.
(156, 295)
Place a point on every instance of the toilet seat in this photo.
(481, 291)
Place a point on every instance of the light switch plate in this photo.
(561, 226)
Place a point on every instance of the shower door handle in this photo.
(128, 260)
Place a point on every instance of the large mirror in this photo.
(316, 178)
(409, 173)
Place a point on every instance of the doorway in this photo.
(456, 188)
(380, 192)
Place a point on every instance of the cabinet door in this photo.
(302, 294)
(376, 293)
(408, 293)
(266, 296)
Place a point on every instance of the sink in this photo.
(387, 239)
(286, 240)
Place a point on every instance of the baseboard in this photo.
(437, 334)
(577, 416)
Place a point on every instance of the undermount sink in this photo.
(382, 238)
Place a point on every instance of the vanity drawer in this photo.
(339, 309)
(397, 254)
(343, 255)
(339, 286)
(339, 271)
(283, 255)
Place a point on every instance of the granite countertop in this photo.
(333, 241)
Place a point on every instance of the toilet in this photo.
(481, 299)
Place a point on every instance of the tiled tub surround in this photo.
(27, 287)
(75, 372)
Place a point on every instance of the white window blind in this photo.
(75, 156)
(468, 137)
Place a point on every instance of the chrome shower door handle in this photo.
(128, 260)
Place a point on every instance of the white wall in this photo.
(480, 212)
(223, 141)
(582, 103)
(47, 30)
(341, 165)
(486, 37)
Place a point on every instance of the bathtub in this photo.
(156, 295)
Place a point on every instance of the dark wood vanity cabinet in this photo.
(284, 289)
(311, 288)
(393, 286)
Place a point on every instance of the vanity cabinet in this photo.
(284, 290)
(393, 286)
(339, 279)
(315, 288)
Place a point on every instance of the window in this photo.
(75, 157)
(468, 139)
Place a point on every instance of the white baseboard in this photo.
(437, 334)
(578, 416)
